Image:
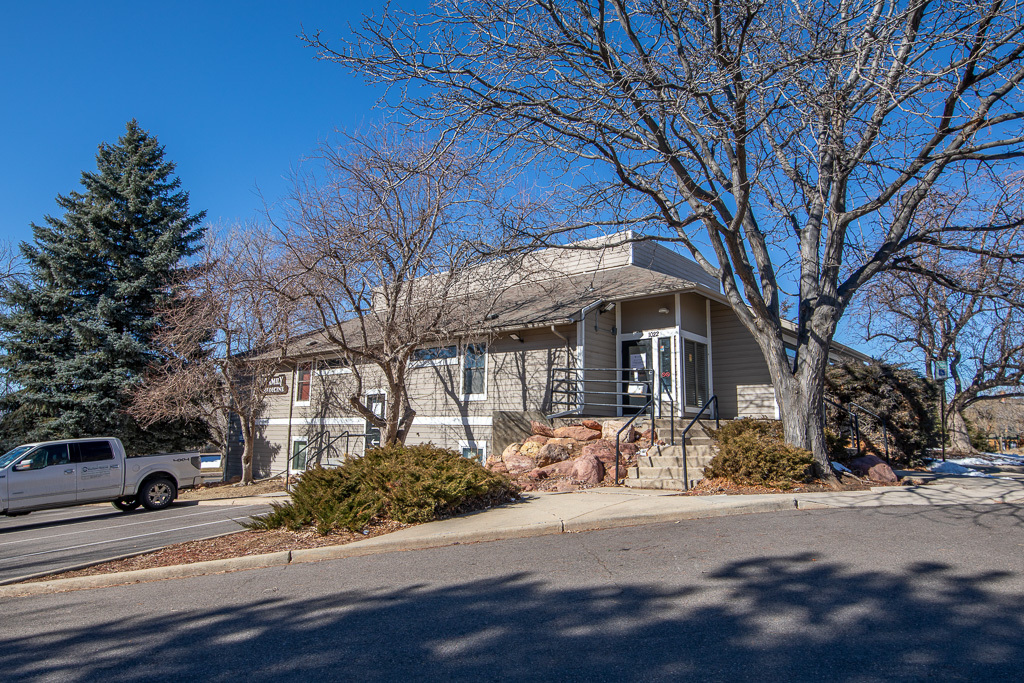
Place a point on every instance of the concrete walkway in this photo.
(554, 513)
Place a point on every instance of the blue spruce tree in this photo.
(77, 333)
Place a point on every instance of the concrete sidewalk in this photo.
(541, 514)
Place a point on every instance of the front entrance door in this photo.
(638, 369)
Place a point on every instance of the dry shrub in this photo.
(754, 453)
(407, 484)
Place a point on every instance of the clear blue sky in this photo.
(227, 87)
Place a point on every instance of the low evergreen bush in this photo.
(754, 452)
(406, 484)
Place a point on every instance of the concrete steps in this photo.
(662, 466)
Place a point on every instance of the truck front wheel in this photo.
(156, 494)
(126, 504)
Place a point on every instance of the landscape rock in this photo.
(541, 429)
(499, 467)
(579, 433)
(510, 450)
(609, 471)
(559, 469)
(537, 474)
(519, 463)
(645, 439)
(628, 452)
(602, 449)
(591, 424)
(551, 453)
(875, 469)
(588, 470)
(530, 449)
(611, 428)
(537, 438)
(574, 447)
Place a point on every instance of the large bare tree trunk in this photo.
(247, 453)
(956, 433)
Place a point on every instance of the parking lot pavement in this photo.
(55, 540)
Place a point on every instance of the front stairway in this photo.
(662, 466)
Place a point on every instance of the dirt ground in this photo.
(220, 490)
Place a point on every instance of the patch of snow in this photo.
(1008, 458)
(950, 467)
(971, 461)
(839, 467)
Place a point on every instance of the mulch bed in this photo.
(239, 544)
(717, 487)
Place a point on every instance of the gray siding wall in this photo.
(660, 258)
(740, 375)
(599, 351)
(693, 314)
(520, 377)
(639, 315)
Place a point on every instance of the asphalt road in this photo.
(859, 595)
(52, 540)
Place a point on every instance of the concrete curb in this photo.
(384, 544)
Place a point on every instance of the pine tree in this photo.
(77, 334)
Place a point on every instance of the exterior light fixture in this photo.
(663, 310)
(608, 307)
(516, 337)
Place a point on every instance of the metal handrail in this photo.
(718, 425)
(618, 434)
(856, 423)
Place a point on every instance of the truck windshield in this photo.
(13, 454)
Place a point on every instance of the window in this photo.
(696, 371)
(302, 382)
(333, 366)
(474, 450)
(474, 371)
(46, 456)
(93, 451)
(435, 355)
(299, 454)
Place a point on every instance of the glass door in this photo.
(637, 367)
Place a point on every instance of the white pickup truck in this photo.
(53, 474)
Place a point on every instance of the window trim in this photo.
(434, 362)
(479, 445)
(298, 384)
(466, 396)
(346, 369)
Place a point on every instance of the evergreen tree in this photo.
(77, 332)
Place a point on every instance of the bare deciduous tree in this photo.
(960, 309)
(224, 336)
(392, 247)
(781, 144)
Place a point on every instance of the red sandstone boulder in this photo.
(540, 429)
(628, 451)
(559, 469)
(591, 424)
(498, 467)
(609, 472)
(612, 427)
(537, 438)
(574, 447)
(519, 463)
(579, 433)
(875, 469)
(602, 449)
(588, 470)
(551, 453)
(536, 474)
(510, 450)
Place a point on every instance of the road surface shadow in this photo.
(779, 618)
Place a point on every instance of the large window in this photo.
(474, 371)
(435, 355)
(695, 369)
(474, 450)
(303, 381)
